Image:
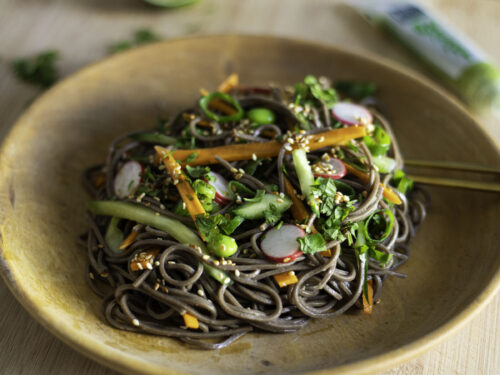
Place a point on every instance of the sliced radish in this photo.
(281, 245)
(351, 114)
(128, 179)
(222, 194)
(333, 168)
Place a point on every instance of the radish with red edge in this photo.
(281, 245)
(333, 168)
(222, 194)
(351, 114)
(128, 179)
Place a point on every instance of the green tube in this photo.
(457, 60)
(147, 216)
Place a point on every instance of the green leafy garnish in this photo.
(37, 70)
(197, 172)
(207, 225)
(329, 223)
(229, 225)
(312, 243)
(273, 214)
(356, 89)
(382, 257)
(327, 96)
(310, 91)
(140, 37)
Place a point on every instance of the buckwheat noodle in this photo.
(154, 300)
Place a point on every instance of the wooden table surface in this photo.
(83, 29)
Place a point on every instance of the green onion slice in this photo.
(378, 226)
(207, 99)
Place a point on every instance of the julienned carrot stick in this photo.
(245, 151)
(229, 83)
(368, 303)
(389, 194)
(193, 204)
(298, 210)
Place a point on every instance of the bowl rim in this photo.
(116, 360)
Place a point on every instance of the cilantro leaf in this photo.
(197, 172)
(140, 37)
(382, 257)
(272, 215)
(38, 70)
(229, 225)
(325, 95)
(312, 243)
(207, 225)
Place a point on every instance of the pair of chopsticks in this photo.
(458, 183)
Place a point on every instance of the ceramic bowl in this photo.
(454, 266)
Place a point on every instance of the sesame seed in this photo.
(221, 275)
(291, 273)
(201, 293)
(227, 280)
(157, 263)
(262, 227)
(279, 200)
(205, 257)
(164, 288)
(223, 247)
(286, 260)
(171, 262)
(237, 273)
(241, 170)
(135, 322)
(157, 214)
(234, 170)
(149, 266)
(216, 262)
(91, 275)
(156, 287)
(139, 265)
(183, 205)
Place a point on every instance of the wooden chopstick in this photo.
(465, 184)
(453, 165)
(458, 183)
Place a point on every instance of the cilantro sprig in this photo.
(312, 243)
(38, 70)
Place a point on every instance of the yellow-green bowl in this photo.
(454, 266)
